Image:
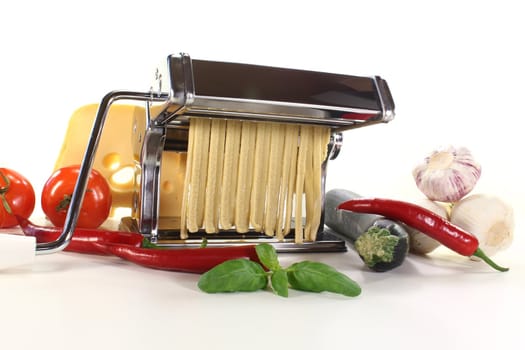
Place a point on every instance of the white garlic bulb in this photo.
(420, 243)
(488, 218)
(447, 174)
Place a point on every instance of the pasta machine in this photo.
(187, 88)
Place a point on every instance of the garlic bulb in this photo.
(488, 218)
(421, 243)
(447, 175)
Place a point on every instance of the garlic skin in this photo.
(421, 243)
(447, 174)
(488, 218)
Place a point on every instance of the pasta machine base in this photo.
(326, 241)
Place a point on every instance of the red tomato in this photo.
(16, 195)
(59, 188)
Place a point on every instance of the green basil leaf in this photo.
(237, 275)
(268, 256)
(318, 277)
(280, 282)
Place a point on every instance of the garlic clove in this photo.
(420, 243)
(447, 174)
(488, 218)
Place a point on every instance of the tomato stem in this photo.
(3, 191)
(64, 203)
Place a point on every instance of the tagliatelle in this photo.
(306, 132)
(199, 169)
(321, 138)
(229, 174)
(292, 146)
(213, 181)
(309, 186)
(260, 175)
(275, 173)
(254, 176)
(244, 177)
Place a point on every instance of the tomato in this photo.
(16, 195)
(59, 188)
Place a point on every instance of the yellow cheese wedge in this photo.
(118, 153)
(172, 173)
(114, 157)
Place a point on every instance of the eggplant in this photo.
(382, 244)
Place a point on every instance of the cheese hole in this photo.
(111, 161)
(168, 186)
(120, 212)
(123, 178)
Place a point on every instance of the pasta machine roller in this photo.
(186, 88)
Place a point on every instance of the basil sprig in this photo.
(242, 275)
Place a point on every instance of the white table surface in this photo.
(73, 301)
(456, 71)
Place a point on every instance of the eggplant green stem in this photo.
(480, 254)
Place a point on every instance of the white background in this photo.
(455, 69)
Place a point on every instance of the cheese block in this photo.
(114, 158)
(118, 156)
(172, 173)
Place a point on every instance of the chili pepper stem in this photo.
(480, 254)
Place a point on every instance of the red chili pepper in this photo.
(194, 260)
(127, 245)
(424, 220)
(87, 241)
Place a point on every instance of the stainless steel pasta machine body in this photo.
(186, 88)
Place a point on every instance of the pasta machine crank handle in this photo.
(87, 163)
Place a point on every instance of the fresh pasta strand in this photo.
(198, 174)
(260, 175)
(309, 182)
(293, 143)
(321, 138)
(213, 181)
(289, 153)
(244, 177)
(306, 132)
(229, 173)
(275, 173)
